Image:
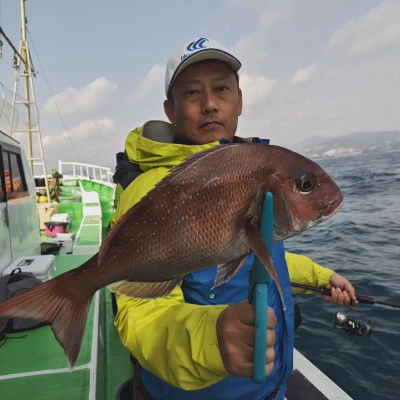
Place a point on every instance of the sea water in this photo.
(361, 242)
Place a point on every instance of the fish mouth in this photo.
(328, 211)
(332, 208)
(296, 228)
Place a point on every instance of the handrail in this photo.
(89, 172)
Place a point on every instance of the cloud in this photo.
(347, 56)
(93, 128)
(152, 82)
(303, 75)
(266, 14)
(93, 141)
(378, 29)
(84, 131)
(256, 88)
(352, 76)
(88, 99)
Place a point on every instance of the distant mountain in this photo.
(352, 143)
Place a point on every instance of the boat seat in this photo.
(89, 236)
(90, 201)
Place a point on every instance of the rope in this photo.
(4, 338)
(53, 96)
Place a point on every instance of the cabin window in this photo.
(2, 195)
(14, 178)
(2, 180)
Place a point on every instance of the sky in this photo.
(310, 67)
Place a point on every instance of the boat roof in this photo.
(8, 139)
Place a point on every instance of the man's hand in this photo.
(235, 332)
(342, 290)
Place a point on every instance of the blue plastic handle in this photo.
(259, 280)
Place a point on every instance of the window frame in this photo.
(3, 197)
(6, 149)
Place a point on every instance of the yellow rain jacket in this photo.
(174, 340)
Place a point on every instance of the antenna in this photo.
(27, 102)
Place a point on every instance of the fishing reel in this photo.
(351, 326)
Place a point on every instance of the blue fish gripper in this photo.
(259, 281)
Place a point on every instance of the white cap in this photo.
(197, 50)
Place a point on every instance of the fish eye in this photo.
(305, 182)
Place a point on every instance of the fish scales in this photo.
(184, 226)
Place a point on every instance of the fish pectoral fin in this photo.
(228, 270)
(144, 290)
(256, 243)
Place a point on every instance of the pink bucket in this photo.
(53, 228)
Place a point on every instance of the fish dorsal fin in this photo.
(144, 290)
(172, 177)
(190, 161)
(228, 270)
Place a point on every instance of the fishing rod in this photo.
(360, 297)
(342, 321)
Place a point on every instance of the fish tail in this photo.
(60, 303)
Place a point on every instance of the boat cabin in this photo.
(19, 225)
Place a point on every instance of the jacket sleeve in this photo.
(303, 270)
(174, 340)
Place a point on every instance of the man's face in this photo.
(206, 102)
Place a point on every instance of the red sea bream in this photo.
(205, 212)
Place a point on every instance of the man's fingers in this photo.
(248, 333)
(269, 367)
(246, 313)
(339, 296)
(270, 355)
(346, 298)
(272, 321)
(247, 368)
(236, 336)
(248, 330)
(271, 337)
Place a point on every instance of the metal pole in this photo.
(26, 58)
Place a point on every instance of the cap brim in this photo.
(206, 54)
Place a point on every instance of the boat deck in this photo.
(89, 205)
(307, 382)
(33, 364)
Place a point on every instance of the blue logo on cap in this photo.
(197, 45)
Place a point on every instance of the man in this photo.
(198, 342)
